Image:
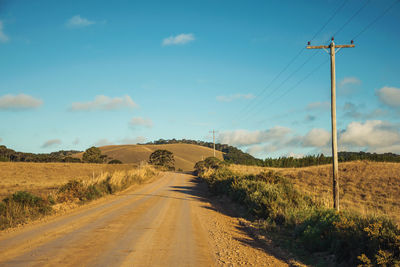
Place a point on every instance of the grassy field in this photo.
(186, 155)
(365, 187)
(42, 178)
(29, 191)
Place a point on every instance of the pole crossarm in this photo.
(345, 46)
(328, 46)
(318, 47)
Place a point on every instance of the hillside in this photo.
(186, 155)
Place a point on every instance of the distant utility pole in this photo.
(332, 53)
(213, 132)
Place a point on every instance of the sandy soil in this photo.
(170, 222)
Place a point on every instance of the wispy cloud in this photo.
(179, 39)
(245, 137)
(135, 140)
(139, 121)
(310, 118)
(318, 105)
(52, 142)
(3, 37)
(78, 22)
(230, 98)
(348, 85)
(354, 111)
(103, 142)
(348, 81)
(389, 96)
(102, 102)
(19, 102)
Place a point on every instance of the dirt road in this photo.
(166, 223)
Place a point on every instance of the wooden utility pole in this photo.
(213, 132)
(332, 53)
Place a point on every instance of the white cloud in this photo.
(245, 137)
(139, 121)
(349, 81)
(389, 96)
(52, 142)
(102, 102)
(319, 105)
(3, 37)
(76, 141)
(316, 138)
(19, 102)
(230, 98)
(180, 39)
(370, 135)
(78, 22)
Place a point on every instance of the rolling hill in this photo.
(186, 155)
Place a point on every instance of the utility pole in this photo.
(332, 53)
(213, 132)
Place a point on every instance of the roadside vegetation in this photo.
(365, 187)
(302, 223)
(22, 206)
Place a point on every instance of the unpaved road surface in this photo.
(168, 222)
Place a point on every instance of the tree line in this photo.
(91, 155)
(237, 156)
(7, 154)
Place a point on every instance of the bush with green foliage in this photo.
(21, 206)
(352, 238)
(162, 158)
(115, 161)
(93, 155)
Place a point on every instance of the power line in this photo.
(376, 19)
(298, 83)
(352, 17)
(294, 58)
(281, 84)
(274, 79)
(340, 29)
(329, 20)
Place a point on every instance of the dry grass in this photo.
(43, 178)
(186, 155)
(365, 187)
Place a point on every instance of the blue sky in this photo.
(79, 73)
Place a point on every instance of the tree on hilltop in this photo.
(162, 158)
(93, 155)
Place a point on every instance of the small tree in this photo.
(93, 155)
(162, 158)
